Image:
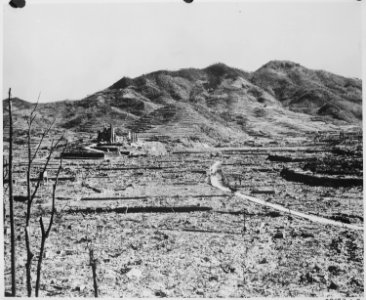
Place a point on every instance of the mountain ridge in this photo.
(219, 103)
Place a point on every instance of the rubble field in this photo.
(158, 229)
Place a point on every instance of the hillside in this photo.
(311, 92)
(218, 104)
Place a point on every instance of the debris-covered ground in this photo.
(204, 243)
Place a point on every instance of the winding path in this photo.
(216, 181)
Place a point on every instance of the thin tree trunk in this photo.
(28, 264)
(93, 264)
(5, 189)
(39, 265)
(27, 242)
(29, 202)
(11, 200)
(245, 245)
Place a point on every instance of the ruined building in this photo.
(107, 135)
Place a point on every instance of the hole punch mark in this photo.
(188, 1)
(17, 3)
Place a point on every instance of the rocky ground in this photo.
(233, 249)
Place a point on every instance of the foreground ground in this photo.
(231, 248)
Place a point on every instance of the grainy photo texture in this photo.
(182, 149)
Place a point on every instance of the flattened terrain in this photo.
(221, 252)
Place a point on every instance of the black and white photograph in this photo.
(182, 149)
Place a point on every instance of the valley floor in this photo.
(220, 246)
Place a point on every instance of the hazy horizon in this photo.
(70, 53)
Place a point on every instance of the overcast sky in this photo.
(68, 51)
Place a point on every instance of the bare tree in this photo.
(11, 199)
(45, 233)
(32, 193)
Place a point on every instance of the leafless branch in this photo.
(32, 115)
(52, 149)
(45, 132)
(54, 194)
